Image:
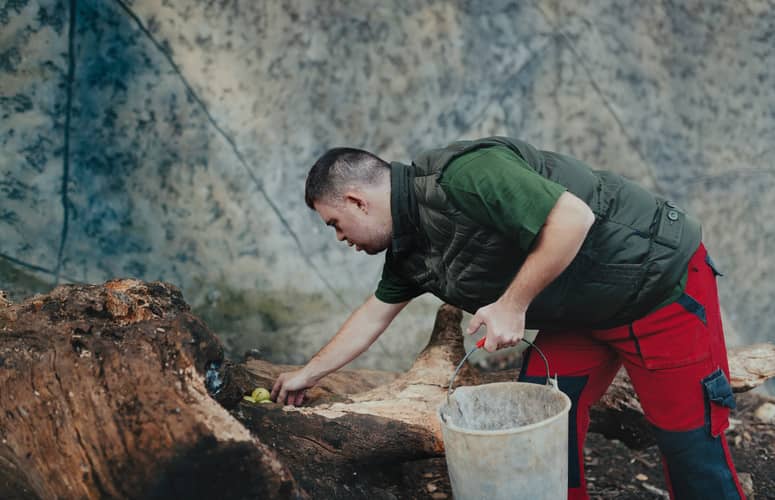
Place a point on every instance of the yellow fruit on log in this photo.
(260, 394)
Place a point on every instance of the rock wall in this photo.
(170, 140)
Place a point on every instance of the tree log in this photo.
(103, 396)
(618, 415)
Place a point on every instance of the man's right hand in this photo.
(360, 330)
(290, 386)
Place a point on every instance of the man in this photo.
(609, 273)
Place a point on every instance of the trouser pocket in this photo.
(719, 399)
(673, 337)
(697, 461)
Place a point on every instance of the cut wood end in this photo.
(751, 365)
(215, 417)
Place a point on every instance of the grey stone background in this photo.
(170, 140)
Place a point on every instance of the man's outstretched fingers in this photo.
(281, 396)
(277, 388)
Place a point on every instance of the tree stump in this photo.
(103, 396)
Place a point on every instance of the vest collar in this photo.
(403, 208)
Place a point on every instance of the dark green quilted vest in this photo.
(634, 255)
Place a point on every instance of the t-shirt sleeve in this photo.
(498, 189)
(393, 289)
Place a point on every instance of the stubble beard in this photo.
(381, 239)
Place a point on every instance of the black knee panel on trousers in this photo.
(697, 465)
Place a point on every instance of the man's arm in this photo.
(360, 330)
(556, 246)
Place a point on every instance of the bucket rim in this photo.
(512, 430)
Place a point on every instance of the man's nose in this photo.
(339, 235)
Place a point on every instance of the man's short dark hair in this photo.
(339, 168)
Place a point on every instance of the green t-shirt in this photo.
(496, 188)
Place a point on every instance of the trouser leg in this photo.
(584, 369)
(677, 362)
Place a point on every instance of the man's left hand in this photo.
(505, 325)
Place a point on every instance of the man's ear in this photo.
(358, 199)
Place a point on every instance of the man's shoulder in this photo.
(436, 159)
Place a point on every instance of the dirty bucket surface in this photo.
(507, 440)
(503, 406)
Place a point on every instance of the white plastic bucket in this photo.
(506, 440)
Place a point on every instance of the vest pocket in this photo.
(625, 276)
(670, 226)
(598, 291)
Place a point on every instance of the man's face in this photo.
(357, 222)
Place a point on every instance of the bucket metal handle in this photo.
(549, 380)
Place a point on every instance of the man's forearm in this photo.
(360, 330)
(558, 243)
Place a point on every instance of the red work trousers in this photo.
(677, 361)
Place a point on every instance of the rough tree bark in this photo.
(104, 395)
